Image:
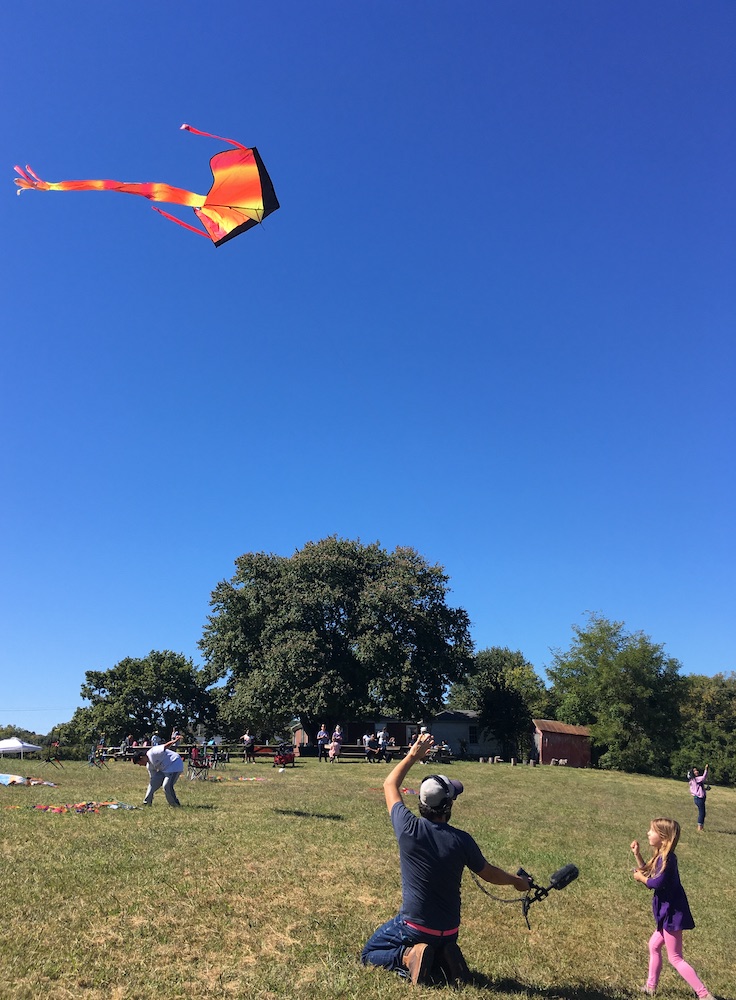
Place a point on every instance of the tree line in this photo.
(644, 715)
(345, 631)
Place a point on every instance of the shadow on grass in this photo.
(512, 986)
(198, 805)
(308, 815)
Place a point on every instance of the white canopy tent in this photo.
(14, 745)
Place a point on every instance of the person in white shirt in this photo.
(164, 767)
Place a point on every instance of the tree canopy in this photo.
(708, 727)
(626, 689)
(506, 692)
(338, 630)
(140, 696)
(8, 732)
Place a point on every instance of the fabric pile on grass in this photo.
(82, 807)
(17, 779)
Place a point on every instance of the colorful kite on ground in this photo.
(241, 197)
(83, 807)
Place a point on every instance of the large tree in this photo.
(338, 630)
(708, 714)
(506, 692)
(139, 696)
(626, 689)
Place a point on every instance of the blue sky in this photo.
(493, 319)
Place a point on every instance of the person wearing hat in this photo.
(422, 937)
(164, 767)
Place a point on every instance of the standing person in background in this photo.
(697, 782)
(249, 747)
(669, 904)
(164, 767)
(336, 745)
(323, 740)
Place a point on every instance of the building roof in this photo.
(552, 726)
(455, 715)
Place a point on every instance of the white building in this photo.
(459, 729)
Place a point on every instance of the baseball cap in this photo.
(437, 789)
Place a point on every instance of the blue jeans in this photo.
(700, 803)
(387, 946)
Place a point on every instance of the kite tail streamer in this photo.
(30, 181)
(185, 225)
(211, 135)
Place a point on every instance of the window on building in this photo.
(472, 734)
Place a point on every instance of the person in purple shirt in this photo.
(669, 904)
(697, 783)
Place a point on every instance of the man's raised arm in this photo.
(417, 752)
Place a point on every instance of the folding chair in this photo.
(197, 767)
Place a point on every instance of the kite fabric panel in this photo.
(241, 196)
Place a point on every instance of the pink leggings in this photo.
(673, 940)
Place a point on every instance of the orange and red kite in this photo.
(241, 196)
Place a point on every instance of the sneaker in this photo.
(646, 991)
(453, 965)
(417, 960)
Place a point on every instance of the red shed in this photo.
(560, 742)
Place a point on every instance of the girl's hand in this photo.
(635, 846)
(639, 876)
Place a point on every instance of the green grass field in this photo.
(268, 889)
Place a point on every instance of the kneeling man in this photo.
(433, 855)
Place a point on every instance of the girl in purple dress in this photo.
(669, 904)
